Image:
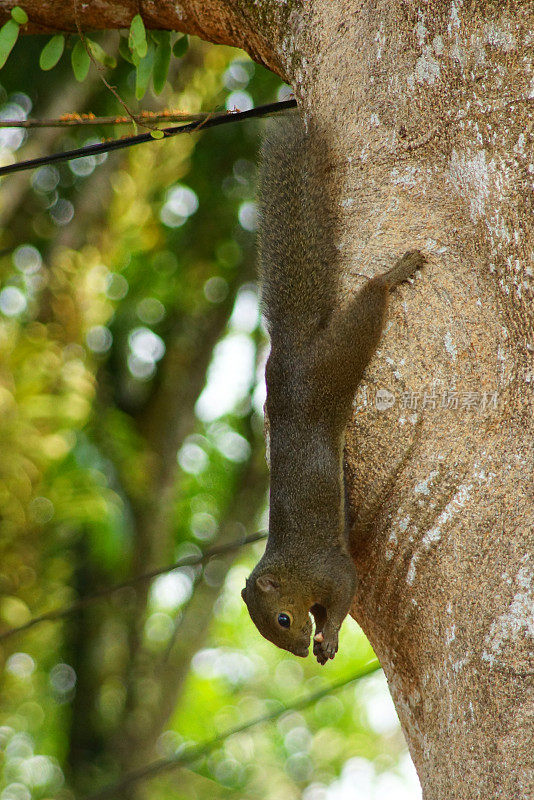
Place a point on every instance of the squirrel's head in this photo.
(278, 613)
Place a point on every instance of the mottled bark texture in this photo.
(429, 108)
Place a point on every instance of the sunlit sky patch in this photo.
(232, 369)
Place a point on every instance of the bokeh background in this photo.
(131, 435)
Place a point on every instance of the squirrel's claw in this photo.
(324, 647)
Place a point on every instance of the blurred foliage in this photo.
(131, 357)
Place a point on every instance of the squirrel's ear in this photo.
(267, 583)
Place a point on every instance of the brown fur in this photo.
(319, 350)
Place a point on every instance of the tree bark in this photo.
(428, 109)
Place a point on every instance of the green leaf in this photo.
(124, 50)
(157, 134)
(162, 59)
(19, 15)
(143, 73)
(137, 39)
(8, 36)
(80, 61)
(100, 55)
(180, 46)
(159, 36)
(52, 52)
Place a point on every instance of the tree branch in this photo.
(237, 23)
(82, 120)
(186, 561)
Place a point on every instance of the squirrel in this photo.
(320, 346)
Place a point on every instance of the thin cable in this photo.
(140, 138)
(196, 751)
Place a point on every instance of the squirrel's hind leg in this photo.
(404, 268)
(354, 330)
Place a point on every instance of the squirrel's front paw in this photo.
(325, 646)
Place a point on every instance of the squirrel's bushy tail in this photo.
(296, 251)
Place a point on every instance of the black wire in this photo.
(129, 141)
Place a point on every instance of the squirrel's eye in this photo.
(284, 620)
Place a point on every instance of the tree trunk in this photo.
(428, 109)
